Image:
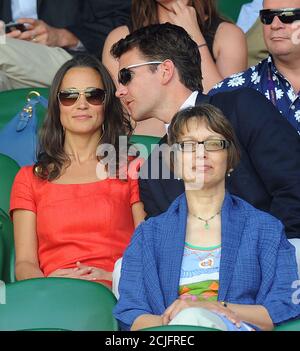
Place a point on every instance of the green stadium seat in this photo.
(165, 328)
(289, 326)
(231, 9)
(2, 261)
(8, 250)
(57, 304)
(144, 144)
(8, 170)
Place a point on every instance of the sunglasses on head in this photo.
(125, 74)
(94, 96)
(288, 15)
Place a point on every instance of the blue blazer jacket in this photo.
(258, 264)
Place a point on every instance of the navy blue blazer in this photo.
(268, 175)
(258, 264)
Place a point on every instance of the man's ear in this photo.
(167, 71)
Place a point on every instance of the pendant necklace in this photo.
(206, 225)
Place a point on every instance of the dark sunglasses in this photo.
(125, 74)
(94, 96)
(288, 15)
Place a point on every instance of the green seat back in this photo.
(8, 171)
(144, 144)
(231, 8)
(58, 304)
(7, 239)
(2, 251)
(13, 101)
(289, 326)
(178, 328)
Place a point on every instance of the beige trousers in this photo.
(27, 64)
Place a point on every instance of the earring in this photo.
(228, 174)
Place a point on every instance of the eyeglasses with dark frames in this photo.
(125, 74)
(94, 96)
(286, 15)
(209, 145)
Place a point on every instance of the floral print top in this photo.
(265, 78)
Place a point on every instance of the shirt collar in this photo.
(189, 102)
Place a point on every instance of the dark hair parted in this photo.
(159, 42)
(52, 157)
(144, 13)
(215, 121)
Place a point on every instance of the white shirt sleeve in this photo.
(249, 14)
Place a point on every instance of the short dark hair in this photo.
(215, 121)
(159, 42)
(52, 156)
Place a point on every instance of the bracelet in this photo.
(200, 46)
(223, 303)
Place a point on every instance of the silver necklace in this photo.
(206, 225)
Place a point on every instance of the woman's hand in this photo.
(185, 16)
(83, 272)
(214, 306)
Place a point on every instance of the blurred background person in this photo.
(277, 76)
(56, 30)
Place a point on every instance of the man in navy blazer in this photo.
(160, 73)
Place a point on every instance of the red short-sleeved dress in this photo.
(91, 223)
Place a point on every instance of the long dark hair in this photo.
(144, 12)
(52, 156)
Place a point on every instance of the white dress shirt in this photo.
(24, 8)
(189, 102)
(249, 14)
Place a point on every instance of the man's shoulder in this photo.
(240, 95)
(251, 77)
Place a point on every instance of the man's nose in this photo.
(121, 91)
(276, 23)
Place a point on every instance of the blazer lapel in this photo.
(172, 187)
(232, 229)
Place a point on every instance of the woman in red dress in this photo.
(71, 217)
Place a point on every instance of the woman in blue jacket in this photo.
(210, 251)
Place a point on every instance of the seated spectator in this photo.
(68, 220)
(268, 176)
(211, 249)
(55, 31)
(216, 38)
(278, 76)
